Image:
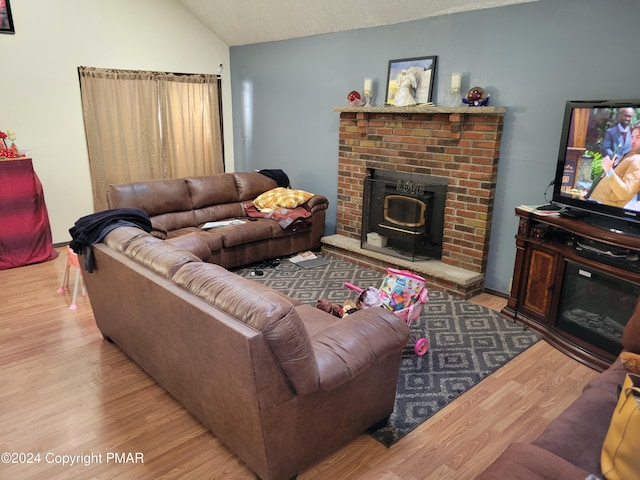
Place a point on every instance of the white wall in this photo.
(40, 92)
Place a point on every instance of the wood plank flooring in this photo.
(68, 396)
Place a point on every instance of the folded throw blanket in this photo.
(292, 218)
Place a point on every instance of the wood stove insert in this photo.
(403, 214)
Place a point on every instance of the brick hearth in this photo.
(459, 143)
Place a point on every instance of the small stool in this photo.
(72, 260)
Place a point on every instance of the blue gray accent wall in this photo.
(530, 58)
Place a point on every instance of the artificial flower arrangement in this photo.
(7, 151)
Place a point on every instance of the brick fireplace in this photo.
(461, 144)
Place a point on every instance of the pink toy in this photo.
(404, 293)
(72, 261)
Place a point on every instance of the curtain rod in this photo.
(217, 75)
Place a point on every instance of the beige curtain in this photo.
(149, 125)
(191, 114)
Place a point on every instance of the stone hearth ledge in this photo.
(434, 268)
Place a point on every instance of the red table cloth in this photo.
(25, 232)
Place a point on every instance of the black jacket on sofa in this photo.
(92, 228)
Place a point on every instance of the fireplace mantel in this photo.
(425, 109)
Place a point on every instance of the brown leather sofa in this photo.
(179, 207)
(281, 383)
(570, 447)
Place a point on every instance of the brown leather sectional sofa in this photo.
(179, 207)
(281, 383)
(569, 448)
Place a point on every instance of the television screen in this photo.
(598, 170)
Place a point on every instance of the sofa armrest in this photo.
(524, 461)
(158, 230)
(317, 203)
(589, 416)
(345, 349)
(194, 243)
(631, 333)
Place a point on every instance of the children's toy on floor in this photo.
(404, 293)
(368, 298)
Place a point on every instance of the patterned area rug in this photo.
(467, 342)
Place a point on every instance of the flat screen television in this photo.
(586, 183)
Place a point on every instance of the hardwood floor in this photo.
(67, 395)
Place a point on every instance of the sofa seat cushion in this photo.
(263, 309)
(212, 213)
(248, 232)
(578, 433)
(211, 238)
(235, 235)
(524, 461)
(174, 220)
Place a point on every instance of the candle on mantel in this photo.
(368, 83)
(456, 82)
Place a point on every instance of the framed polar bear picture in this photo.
(410, 81)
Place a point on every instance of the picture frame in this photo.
(6, 20)
(421, 70)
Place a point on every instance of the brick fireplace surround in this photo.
(459, 143)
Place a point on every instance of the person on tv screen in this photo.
(619, 185)
(617, 139)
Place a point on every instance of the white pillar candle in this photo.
(368, 82)
(456, 82)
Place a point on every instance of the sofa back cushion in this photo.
(251, 184)
(212, 190)
(265, 310)
(153, 196)
(165, 201)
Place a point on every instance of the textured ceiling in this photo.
(241, 22)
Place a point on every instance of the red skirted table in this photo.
(25, 232)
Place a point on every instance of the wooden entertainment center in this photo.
(545, 246)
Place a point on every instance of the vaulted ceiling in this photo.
(242, 22)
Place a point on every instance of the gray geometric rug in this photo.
(467, 342)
